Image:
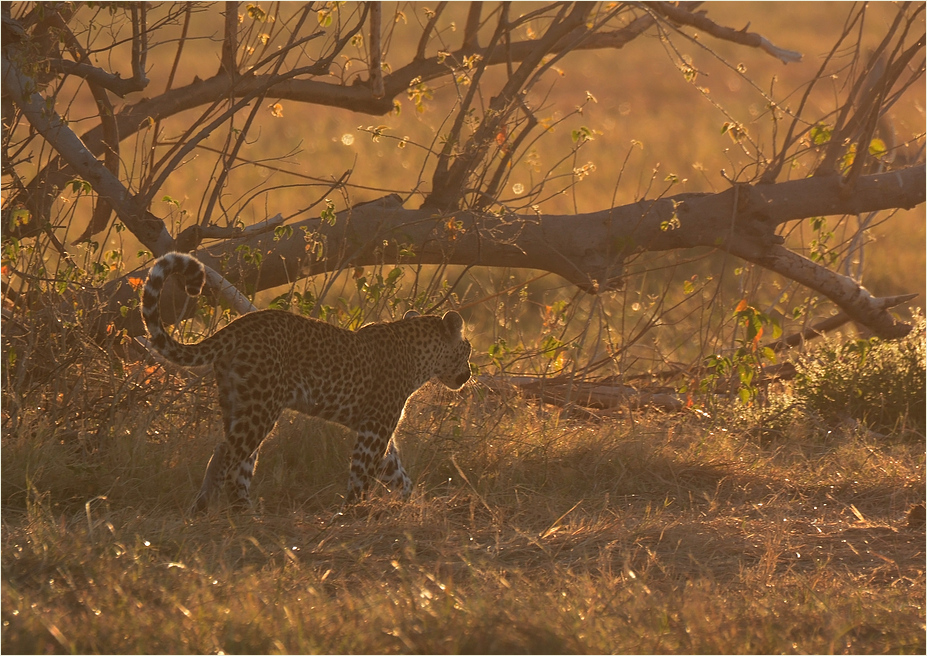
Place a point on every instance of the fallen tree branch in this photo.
(832, 323)
(587, 250)
(845, 292)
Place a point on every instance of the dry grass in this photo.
(526, 533)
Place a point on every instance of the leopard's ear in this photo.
(454, 322)
(411, 313)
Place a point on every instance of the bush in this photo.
(879, 383)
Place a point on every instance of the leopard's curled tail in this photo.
(194, 276)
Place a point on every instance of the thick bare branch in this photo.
(228, 66)
(832, 323)
(702, 22)
(139, 42)
(376, 51)
(190, 238)
(846, 293)
(111, 81)
(471, 29)
(150, 230)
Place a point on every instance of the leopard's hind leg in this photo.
(247, 419)
(246, 432)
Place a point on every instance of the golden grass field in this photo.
(774, 528)
(527, 533)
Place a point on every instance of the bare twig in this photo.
(875, 107)
(229, 159)
(845, 125)
(778, 161)
(426, 32)
(454, 141)
(102, 211)
(587, 394)
(447, 189)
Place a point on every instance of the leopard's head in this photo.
(452, 359)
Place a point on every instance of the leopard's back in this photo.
(309, 365)
(267, 340)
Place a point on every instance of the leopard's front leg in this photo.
(392, 474)
(368, 452)
(376, 457)
(230, 469)
(214, 478)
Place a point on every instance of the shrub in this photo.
(880, 383)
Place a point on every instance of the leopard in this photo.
(270, 360)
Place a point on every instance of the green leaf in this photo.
(281, 302)
(877, 148)
(80, 186)
(19, 217)
(256, 13)
(328, 214)
(550, 346)
(820, 134)
(283, 232)
(393, 276)
(583, 134)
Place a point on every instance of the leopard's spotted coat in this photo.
(270, 360)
